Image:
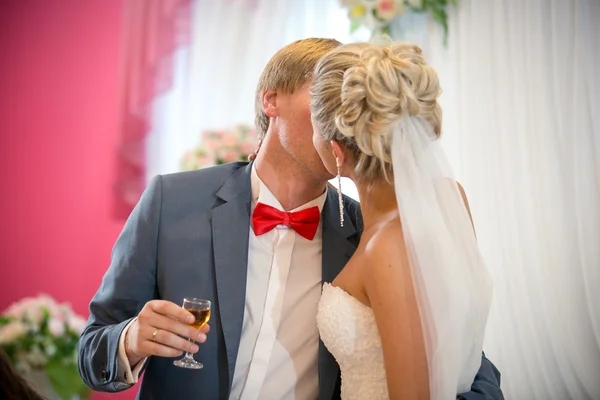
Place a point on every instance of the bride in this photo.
(406, 317)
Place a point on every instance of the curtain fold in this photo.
(153, 30)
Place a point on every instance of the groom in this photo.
(214, 234)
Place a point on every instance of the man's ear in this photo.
(269, 103)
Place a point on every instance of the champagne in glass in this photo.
(200, 309)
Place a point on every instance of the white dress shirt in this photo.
(278, 352)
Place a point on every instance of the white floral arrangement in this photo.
(377, 15)
(37, 333)
(221, 146)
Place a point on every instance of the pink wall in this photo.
(58, 120)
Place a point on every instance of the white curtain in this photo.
(521, 127)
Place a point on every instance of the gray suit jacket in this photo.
(188, 236)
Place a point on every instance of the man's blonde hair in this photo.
(287, 70)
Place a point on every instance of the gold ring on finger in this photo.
(154, 335)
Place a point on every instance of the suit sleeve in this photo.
(486, 385)
(129, 283)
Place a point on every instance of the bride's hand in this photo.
(253, 155)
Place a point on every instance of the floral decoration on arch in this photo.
(221, 146)
(377, 15)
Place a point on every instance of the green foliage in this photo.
(39, 334)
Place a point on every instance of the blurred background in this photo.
(98, 96)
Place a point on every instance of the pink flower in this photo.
(222, 145)
(386, 5)
(207, 135)
(45, 300)
(11, 332)
(56, 327)
(34, 314)
(210, 145)
(53, 308)
(388, 9)
(205, 161)
(76, 324)
(15, 310)
(229, 140)
(248, 148)
(252, 134)
(230, 156)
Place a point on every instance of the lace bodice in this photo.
(348, 329)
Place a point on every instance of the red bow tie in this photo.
(304, 222)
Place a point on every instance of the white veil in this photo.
(452, 285)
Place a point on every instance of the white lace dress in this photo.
(348, 329)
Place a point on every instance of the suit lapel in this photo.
(337, 250)
(230, 224)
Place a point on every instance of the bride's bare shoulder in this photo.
(386, 249)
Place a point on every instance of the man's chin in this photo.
(318, 170)
(322, 172)
(324, 175)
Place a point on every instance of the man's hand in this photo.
(162, 330)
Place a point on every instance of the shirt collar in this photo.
(261, 193)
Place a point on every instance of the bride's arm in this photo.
(466, 202)
(389, 286)
(487, 381)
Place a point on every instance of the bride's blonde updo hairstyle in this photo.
(360, 92)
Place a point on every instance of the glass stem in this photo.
(189, 355)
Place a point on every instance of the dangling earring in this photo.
(339, 190)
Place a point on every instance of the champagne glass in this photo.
(200, 309)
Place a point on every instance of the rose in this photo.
(388, 9)
(228, 140)
(221, 146)
(63, 313)
(204, 161)
(210, 145)
(210, 140)
(34, 314)
(248, 148)
(230, 156)
(56, 327)
(76, 323)
(32, 309)
(15, 310)
(11, 332)
(45, 301)
(212, 135)
(251, 135)
(24, 306)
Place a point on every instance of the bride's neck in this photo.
(377, 201)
